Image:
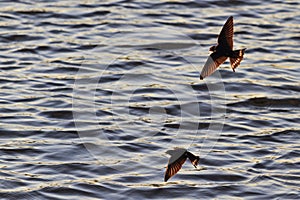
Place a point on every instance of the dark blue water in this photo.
(93, 93)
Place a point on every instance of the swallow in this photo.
(222, 51)
(178, 157)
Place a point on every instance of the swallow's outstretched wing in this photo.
(212, 63)
(175, 163)
(225, 39)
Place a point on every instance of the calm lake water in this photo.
(93, 94)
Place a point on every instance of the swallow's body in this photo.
(178, 157)
(222, 51)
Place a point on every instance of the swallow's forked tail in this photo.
(194, 159)
(237, 58)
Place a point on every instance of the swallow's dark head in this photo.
(213, 48)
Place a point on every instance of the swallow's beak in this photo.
(213, 48)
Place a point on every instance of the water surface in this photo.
(93, 93)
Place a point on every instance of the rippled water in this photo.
(93, 93)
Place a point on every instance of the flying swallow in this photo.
(178, 157)
(222, 51)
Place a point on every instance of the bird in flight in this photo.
(178, 157)
(222, 51)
